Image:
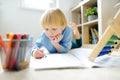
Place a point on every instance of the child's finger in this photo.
(41, 50)
(59, 37)
(39, 54)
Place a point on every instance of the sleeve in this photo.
(66, 42)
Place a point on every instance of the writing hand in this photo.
(38, 54)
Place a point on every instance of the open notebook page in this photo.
(82, 54)
(63, 60)
(53, 61)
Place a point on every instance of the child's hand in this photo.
(57, 38)
(55, 41)
(38, 54)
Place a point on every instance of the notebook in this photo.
(75, 58)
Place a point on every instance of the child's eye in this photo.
(46, 29)
(54, 29)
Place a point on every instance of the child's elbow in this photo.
(64, 49)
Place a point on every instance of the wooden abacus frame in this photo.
(113, 28)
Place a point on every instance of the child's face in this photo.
(52, 32)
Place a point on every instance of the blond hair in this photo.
(53, 18)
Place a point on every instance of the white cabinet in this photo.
(106, 10)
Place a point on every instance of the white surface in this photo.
(108, 61)
(63, 74)
(56, 61)
(112, 73)
(76, 58)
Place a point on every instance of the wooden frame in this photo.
(113, 28)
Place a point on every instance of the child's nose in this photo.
(51, 32)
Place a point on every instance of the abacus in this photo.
(109, 40)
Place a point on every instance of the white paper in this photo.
(59, 60)
(56, 61)
(75, 58)
(108, 61)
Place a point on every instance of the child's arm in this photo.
(66, 41)
(55, 41)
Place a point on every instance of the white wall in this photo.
(15, 19)
(67, 5)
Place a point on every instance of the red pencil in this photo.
(15, 47)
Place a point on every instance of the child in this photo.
(57, 36)
(78, 40)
